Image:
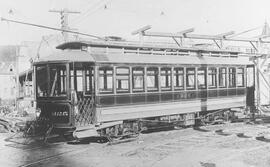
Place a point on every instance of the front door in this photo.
(82, 92)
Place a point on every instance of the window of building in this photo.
(190, 75)
(165, 78)
(138, 79)
(89, 81)
(178, 78)
(232, 82)
(122, 79)
(240, 77)
(152, 79)
(222, 77)
(201, 78)
(106, 79)
(212, 77)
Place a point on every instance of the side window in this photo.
(106, 79)
(152, 79)
(190, 75)
(122, 79)
(165, 78)
(222, 77)
(89, 80)
(212, 77)
(240, 77)
(76, 80)
(232, 82)
(201, 78)
(138, 79)
(178, 78)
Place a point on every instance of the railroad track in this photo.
(72, 151)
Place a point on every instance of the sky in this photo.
(121, 17)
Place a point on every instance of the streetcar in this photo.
(118, 87)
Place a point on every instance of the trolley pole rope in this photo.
(51, 28)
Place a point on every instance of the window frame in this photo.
(242, 76)
(106, 75)
(91, 80)
(63, 81)
(194, 78)
(141, 89)
(202, 86)
(213, 75)
(117, 78)
(223, 75)
(51, 81)
(176, 75)
(232, 77)
(156, 79)
(168, 78)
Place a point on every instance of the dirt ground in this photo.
(238, 145)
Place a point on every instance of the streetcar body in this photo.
(98, 83)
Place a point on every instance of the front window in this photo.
(51, 80)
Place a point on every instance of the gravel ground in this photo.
(236, 145)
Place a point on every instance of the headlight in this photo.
(38, 111)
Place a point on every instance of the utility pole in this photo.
(64, 21)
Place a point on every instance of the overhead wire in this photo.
(90, 11)
(52, 28)
(86, 8)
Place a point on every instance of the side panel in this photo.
(105, 114)
(161, 97)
